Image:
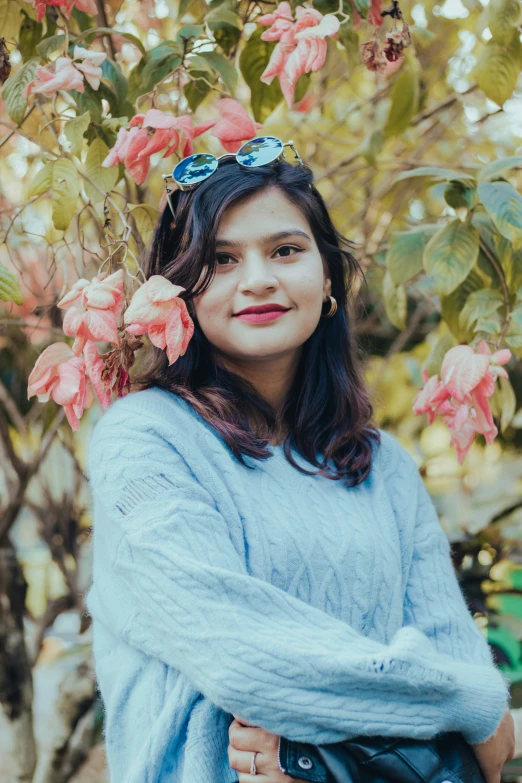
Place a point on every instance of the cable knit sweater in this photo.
(316, 611)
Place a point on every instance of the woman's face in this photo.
(265, 254)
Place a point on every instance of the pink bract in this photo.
(94, 366)
(93, 308)
(461, 397)
(60, 375)
(301, 46)
(235, 125)
(149, 133)
(157, 310)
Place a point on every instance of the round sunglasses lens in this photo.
(195, 168)
(260, 151)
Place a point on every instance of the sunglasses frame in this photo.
(181, 186)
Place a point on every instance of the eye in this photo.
(291, 248)
(221, 257)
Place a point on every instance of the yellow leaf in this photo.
(65, 192)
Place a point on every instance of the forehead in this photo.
(261, 214)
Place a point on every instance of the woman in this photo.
(261, 550)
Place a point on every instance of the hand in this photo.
(497, 750)
(244, 740)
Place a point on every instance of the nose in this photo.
(257, 275)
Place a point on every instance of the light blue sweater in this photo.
(313, 610)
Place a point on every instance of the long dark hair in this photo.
(328, 413)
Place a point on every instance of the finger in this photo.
(244, 738)
(240, 760)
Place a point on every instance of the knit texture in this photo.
(316, 611)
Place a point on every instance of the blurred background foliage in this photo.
(452, 106)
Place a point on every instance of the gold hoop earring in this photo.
(333, 308)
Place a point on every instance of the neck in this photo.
(271, 377)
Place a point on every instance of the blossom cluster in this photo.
(301, 44)
(73, 376)
(155, 131)
(461, 396)
(67, 74)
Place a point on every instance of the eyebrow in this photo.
(266, 239)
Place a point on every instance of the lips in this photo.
(263, 309)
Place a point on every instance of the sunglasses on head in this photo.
(194, 169)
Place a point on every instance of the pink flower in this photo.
(157, 310)
(90, 66)
(64, 74)
(93, 308)
(301, 46)
(94, 365)
(129, 144)
(150, 133)
(87, 6)
(58, 75)
(461, 397)
(430, 397)
(235, 125)
(60, 375)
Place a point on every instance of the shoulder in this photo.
(149, 421)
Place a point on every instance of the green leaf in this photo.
(195, 62)
(436, 175)
(110, 31)
(405, 95)
(117, 82)
(350, 40)
(513, 336)
(74, 130)
(504, 403)
(373, 145)
(223, 68)
(451, 254)
(66, 188)
(404, 256)
(195, 91)
(503, 17)
(12, 96)
(223, 16)
(226, 36)
(252, 62)
(9, 288)
(187, 32)
(498, 167)
(497, 70)
(458, 195)
(362, 7)
(146, 219)
(480, 304)
(42, 182)
(30, 34)
(153, 67)
(88, 101)
(395, 302)
(50, 45)
(452, 305)
(10, 20)
(105, 178)
(504, 205)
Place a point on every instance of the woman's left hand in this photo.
(244, 740)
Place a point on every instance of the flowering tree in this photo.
(402, 112)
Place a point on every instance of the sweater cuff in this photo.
(479, 702)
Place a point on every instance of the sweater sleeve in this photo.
(434, 602)
(178, 590)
